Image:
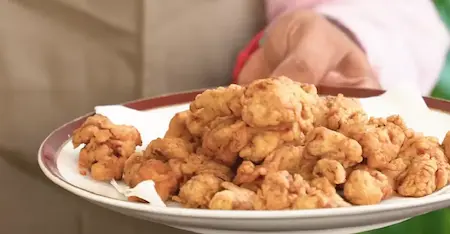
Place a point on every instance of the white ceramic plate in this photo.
(58, 160)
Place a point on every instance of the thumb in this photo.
(337, 79)
(305, 65)
(353, 70)
(255, 68)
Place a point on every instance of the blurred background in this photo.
(60, 58)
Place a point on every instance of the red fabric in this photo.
(245, 54)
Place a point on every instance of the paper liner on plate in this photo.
(144, 190)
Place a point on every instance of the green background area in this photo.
(437, 222)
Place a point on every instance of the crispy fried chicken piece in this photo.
(101, 161)
(198, 191)
(421, 178)
(382, 141)
(168, 148)
(331, 170)
(286, 157)
(264, 142)
(321, 194)
(213, 103)
(277, 103)
(446, 145)
(355, 126)
(178, 127)
(307, 168)
(261, 145)
(139, 168)
(315, 199)
(325, 143)
(339, 110)
(233, 198)
(248, 172)
(415, 145)
(107, 146)
(196, 164)
(100, 129)
(367, 187)
(225, 137)
(279, 190)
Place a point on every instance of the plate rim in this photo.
(48, 153)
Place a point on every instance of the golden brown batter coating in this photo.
(339, 110)
(168, 148)
(233, 198)
(213, 103)
(107, 146)
(139, 168)
(178, 127)
(415, 146)
(279, 191)
(197, 164)
(321, 194)
(322, 142)
(261, 145)
(446, 145)
(277, 103)
(367, 187)
(286, 157)
(421, 178)
(224, 139)
(331, 169)
(381, 142)
(198, 191)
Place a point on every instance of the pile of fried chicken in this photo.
(272, 145)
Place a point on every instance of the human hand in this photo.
(310, 48)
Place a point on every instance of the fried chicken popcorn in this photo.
(279, 190)
(414, 147)
(338, 111)
(320, 193)
(330, 169)
(197, 164)
(285, 158)
(322, 143)
(382, 141)
(272, 145)
(139, 168)
(367, 187)
(106, 147)
(277, 103)
(199, 190)
(422, 177)
(261, 145)
(225, 138)
(169, 148)
(233, 197)
(264, 142)
(213, 103)
(178, 128)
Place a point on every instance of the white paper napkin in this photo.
(144, 190)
